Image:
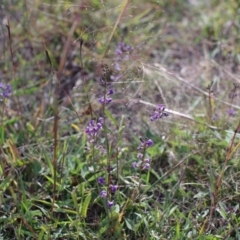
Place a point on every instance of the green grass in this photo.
(185, 55)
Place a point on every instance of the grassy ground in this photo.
(123, 119)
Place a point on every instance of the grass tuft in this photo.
(119, 120)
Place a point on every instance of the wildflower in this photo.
(215, 117)
(145, 144)
(103, 194)
(135, 165)
(93, 127)
(111, 91)
(160, 107)
(113, 188)
(139, 155)
(117, 67)
(110, 203)
(158, 113)
(5, 90)
(105, 100)
(146, 166)
(149, 143)
(122, 48)
(231, 112)
(101, 149)
(147, 160)
(100, 120)
(101, 180)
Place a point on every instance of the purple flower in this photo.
(155, 116)
(101, 149)
(146, 165)
(145, 144)
(149, 142)
(111, 91)
(103, 194)
(117, 67)
(160, 107)
(147, 160)
(100, 120)
(122, 48)
(135, 165)
(5, 90)
(105, 100)
(101, 180)
(113, 188)
(158, 113)
(93, 127)
(231, 112)
(110, 203)
(215, 117)
(139, 155)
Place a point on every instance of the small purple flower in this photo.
(149, 142)
(146, 166)
(121, 55)
(160, 107)
(139, 155)
(113, 188)
(155, 116)
(122, 48)
(158, 113)
(101, 180)
(135, 165)
(231, 112)
(93, 127)
(117, 67)
(103, 194)
(105, 100)
(5, 90)
(215, 117)
(147, 160)
(100, 120)
(101, 149)
(110, 203)
(111, 91)
(145, 144)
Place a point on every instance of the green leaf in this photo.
(84, 170)
(129, 224)
(110, 116)
(85, 205)
(74, 198)
(104, 228)
(178, 230)
(36, 213)
(172, 210)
